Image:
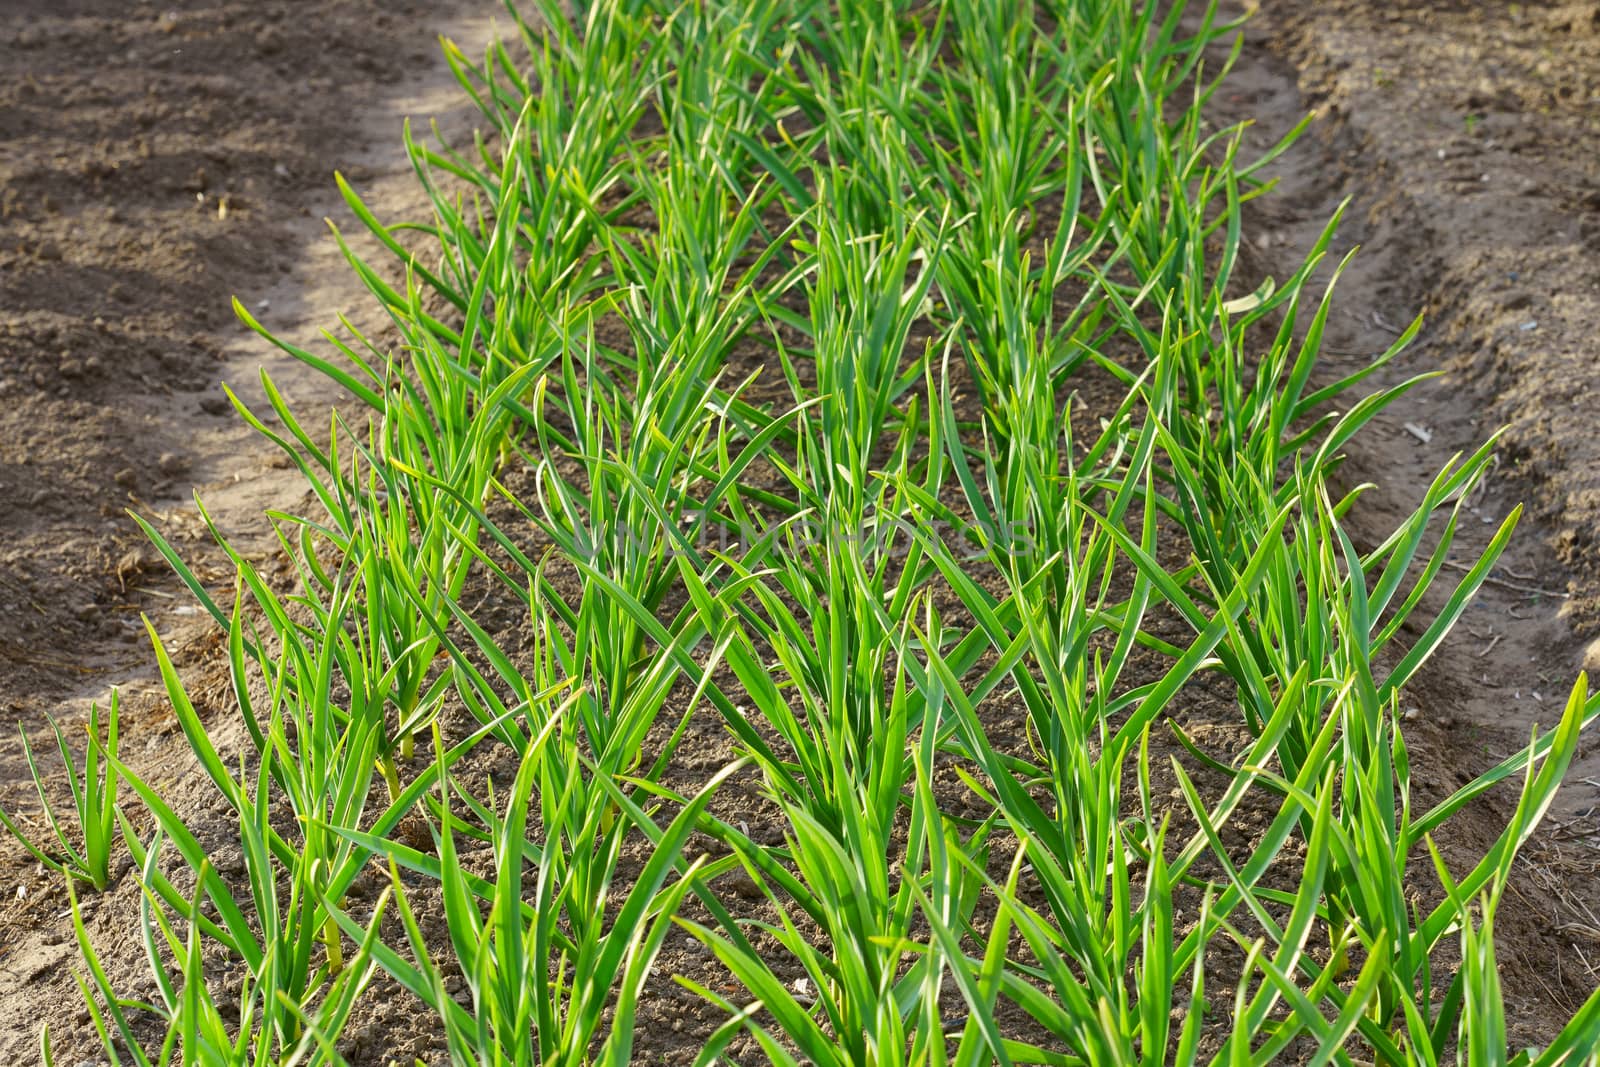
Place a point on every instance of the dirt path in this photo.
(154, 162)
(1463, 138)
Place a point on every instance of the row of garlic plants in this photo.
(780, 314)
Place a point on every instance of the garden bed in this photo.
(673, 640)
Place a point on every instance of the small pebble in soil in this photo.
(172, 463)
(745, 887)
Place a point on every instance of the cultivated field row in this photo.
(876, 387)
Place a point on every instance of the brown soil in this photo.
(155, 161)
(1463, 134)
(116, 152)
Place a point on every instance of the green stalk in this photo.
(391, 776)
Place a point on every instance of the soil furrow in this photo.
(1408, 96)
(156, 162)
